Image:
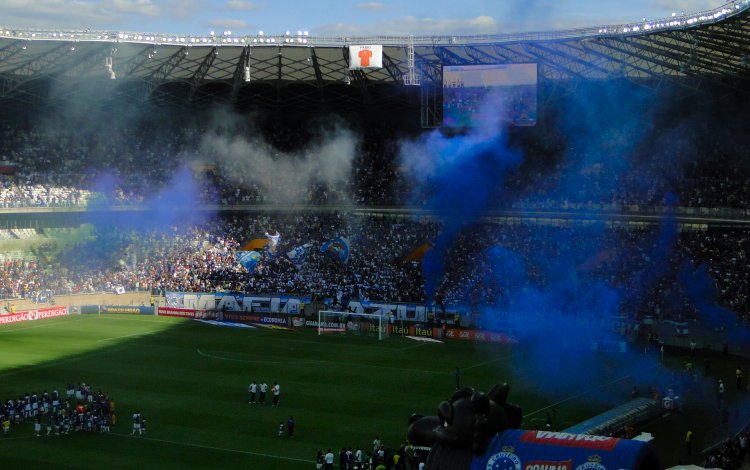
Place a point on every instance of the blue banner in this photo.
(518, 449)
(248, 259)
(298, 255)
(338, 248)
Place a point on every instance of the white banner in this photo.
(365, 57)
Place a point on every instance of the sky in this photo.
(335, 17)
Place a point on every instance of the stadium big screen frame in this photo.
(470, 91)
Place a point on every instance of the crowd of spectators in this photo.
(731, 455)
(58, 166)
(63, 168)
(381, 457)
(656, 270)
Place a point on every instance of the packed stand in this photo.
(69, 165)
(653, 271)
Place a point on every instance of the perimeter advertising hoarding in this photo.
(246, 317)
(32, 315)
(474, 94)
(187, 313)
(543, 450)
(281, 303)
(126, 309)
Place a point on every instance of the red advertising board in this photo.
(32, 315)
(479, 335)
(186, 313)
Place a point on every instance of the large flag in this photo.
(248, 259)
(255, 244)
(365, 57)
(418, 253)
(338, 248)
(298, 255)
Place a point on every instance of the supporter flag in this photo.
(273, 241)
(248, 259)
(256, 244)
(338, 248)
(43, 296)
(365, 57)
(298, 255)
(418, 253)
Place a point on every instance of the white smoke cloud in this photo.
(248, 160)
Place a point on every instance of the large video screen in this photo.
(471, 90)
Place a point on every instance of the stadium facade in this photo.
(295, 73)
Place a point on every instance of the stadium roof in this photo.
(711, 47)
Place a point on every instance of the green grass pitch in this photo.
(190, 381)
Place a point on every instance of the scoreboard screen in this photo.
(471, 90)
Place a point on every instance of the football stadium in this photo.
(297, 251)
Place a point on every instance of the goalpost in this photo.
(359, 324)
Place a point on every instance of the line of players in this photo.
(94, 411)
(258, 391)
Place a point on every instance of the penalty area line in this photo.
(203, 446)
(589, 391)
(144, 333)
(255, 361)
(16, 438)
(50, 323)
(124, 336)
(492, 361)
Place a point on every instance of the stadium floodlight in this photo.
(306, 33)
(260, 33)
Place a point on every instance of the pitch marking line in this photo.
(3, 439)
(125, 336)
(413, 346)
(40, 326)
(143, 333)
(491, 361)
(76, 357)
(377, 366)
(256, 361)
(223, 449)
(591, 390)
(112, 316)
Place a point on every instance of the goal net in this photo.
(364, 324)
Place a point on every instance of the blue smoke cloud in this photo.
(701, 289)
(460, 176)
(586, 285)
(175, 204)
